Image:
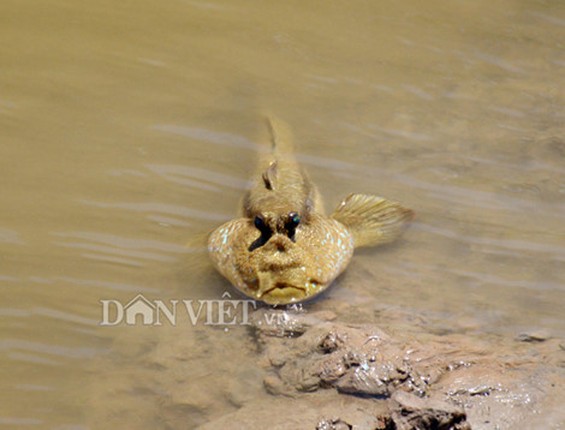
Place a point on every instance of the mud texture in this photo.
(311, 370)
(328, 375)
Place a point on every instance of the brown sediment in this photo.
(295, 369)
(337, 376)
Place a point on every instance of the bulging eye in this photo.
(291, 224)
(294, 219)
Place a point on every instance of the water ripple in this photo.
(156, 207)
(113, 286)
(487, 200)
(18, 421)
(210, 136)
(10, 236)
(555, 251)
(10, 345)
(198, 177)
(123, 242)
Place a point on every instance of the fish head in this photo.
(279, 258)
(284, 270)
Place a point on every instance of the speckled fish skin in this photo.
(284, 249)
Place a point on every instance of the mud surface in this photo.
(311, 371)
(433, 382)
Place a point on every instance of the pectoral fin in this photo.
(372, 220)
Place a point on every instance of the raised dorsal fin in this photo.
(270, 176)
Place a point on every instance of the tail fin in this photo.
(372, 220)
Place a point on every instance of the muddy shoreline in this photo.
(312, 370)
(372, 380)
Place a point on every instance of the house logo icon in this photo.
(138, 311)
(139, 306)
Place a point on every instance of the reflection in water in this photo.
(130, 131)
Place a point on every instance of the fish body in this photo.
(284, 249)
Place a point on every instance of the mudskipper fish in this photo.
(284, 249)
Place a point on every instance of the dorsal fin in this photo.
(270, 176)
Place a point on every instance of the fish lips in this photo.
(281, 287)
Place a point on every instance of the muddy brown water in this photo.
(129, 130)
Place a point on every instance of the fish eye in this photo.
(293, 219)
(291, 224)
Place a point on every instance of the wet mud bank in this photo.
(324, 374)
(318, 370)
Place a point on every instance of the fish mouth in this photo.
(282, 292)
(280, 286)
